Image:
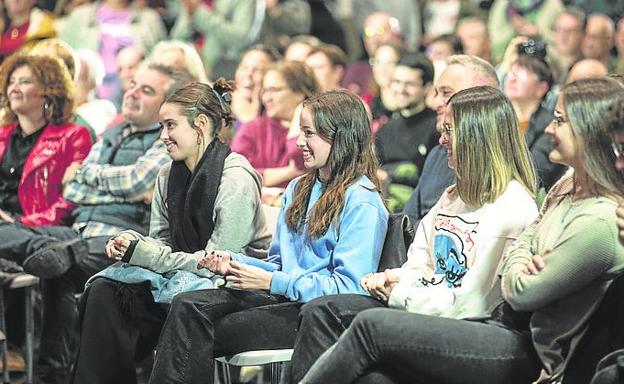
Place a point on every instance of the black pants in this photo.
(18, 241)
(60, 317)
(120, 324)
(216, 322)
(322, 321)
(427, 349)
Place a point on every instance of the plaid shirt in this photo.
(96, 184)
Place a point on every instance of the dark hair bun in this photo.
(224, 89)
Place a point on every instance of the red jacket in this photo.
(40, 191)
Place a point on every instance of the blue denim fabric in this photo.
(163, 286)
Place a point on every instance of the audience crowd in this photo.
(197, 178)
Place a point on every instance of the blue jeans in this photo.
(427, 349)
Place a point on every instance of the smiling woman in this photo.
(207, 198)
(37, 141)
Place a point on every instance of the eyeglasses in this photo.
(372, 32)
(446, 130)
(559, 119)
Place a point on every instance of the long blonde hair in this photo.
(488, 146)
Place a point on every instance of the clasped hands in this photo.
(117, 246)
(380, 284)
(238, 275)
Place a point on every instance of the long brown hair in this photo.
(587, 102)
(340, 118)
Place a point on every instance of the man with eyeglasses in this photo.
(462, 72)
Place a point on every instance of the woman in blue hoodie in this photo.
(330, 233)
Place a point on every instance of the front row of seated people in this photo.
(187, 288)
(329, 235)
(558, 270)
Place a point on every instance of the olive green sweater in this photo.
(579, 245)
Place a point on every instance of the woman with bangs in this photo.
(330, 233)
(453, 263)
(558, 271)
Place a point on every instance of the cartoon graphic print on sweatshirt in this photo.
(454, 239)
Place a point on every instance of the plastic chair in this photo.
(275, 359)
(28, 282)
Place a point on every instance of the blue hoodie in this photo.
(304, 268)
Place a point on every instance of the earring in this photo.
(199, 139)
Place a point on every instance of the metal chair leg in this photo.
(6, 378)
(30, 334)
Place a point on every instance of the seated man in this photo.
(406, 139)
(112, 189)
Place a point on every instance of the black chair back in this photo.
(398, 239)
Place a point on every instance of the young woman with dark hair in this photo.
(207, 198)
(330, 233)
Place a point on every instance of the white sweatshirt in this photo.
(453, 264)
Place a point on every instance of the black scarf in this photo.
(191, 198)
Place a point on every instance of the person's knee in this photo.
(185, 303)
(371, 320)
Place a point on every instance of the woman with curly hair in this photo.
(37, 144)
(37, 141)
(330, 232)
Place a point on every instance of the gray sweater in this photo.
(240, 224)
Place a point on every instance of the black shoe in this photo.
(55, 259)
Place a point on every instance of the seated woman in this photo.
(452, 264)
(263, 141)
(558, 269)
(37, 144)
(207, 198)
(330, 233)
